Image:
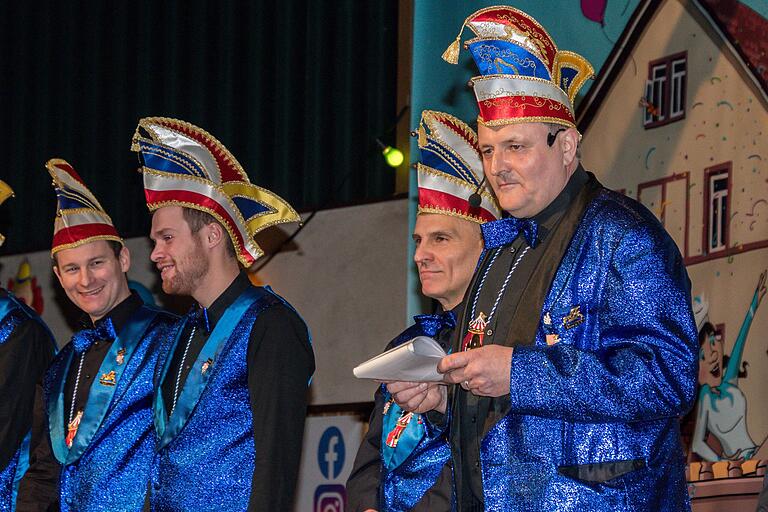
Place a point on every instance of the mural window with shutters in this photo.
(717, 208)
(665, 92)
(668, 199)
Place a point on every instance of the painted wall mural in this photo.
(687, 103)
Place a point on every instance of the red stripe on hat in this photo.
(522, 107)
(430, 198)
(74, 234)
(161, 196)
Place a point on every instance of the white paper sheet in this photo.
(415, 360)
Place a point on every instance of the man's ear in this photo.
(214, 234)
(569, 143)
(125, 259)
(58, 274)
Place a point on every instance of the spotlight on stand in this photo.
(393, 156)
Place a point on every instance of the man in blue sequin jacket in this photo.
(580, 308)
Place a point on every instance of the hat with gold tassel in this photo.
(184, 165)
(450, 170)
(523, 76)
(5, 193)
(80, 219)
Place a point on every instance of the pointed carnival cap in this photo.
(523, 76)
(184, 165)
(5, 193)
(451, 170)
(80, 219)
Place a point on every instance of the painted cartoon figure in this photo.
(722, 406)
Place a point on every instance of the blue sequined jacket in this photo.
(591, 421)
(108, 465)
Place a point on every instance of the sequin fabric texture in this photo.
(209, 464)
(113, 471)
(16, 314)
(417, 473)
(592, 423)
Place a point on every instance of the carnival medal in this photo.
(402, 422)
(72, 429)
(475, 333)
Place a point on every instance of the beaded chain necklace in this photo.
(181, 366)
(73, 421)
(476, 327)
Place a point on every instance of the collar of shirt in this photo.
(227, 297)
(548, 217)
(119, 314)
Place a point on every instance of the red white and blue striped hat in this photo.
(184, 165)
(524, 77)
(451, 170)
(80, 219)
(5, 192)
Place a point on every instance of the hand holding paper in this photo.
(414, 361)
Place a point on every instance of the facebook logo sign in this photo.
(330, 453)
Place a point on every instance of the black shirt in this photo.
(24, 356)
(94, 356)
(468, 424)
(280, 363)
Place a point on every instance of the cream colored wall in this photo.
(726, 120)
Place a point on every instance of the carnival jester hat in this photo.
(184, 165)
(80, 219)
(5, 193)
(451, 171)
(523, 76)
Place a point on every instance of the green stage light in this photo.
(393, 156)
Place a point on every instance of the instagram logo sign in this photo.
(330, 459)
(330, 498)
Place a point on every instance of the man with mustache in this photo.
(231, 385)
(26, 350)
(448, 244)
(578, 348)
(98, 390)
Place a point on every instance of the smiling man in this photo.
(99, 388)
(231, 387)
(448, 245)
(578, 350)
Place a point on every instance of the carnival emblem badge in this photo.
(108, 379)
(206, 366)
(574, 318)
(120, 359)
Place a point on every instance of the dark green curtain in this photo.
(297, 91)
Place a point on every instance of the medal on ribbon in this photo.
(402, 422)
(72, 429)
(475, 333)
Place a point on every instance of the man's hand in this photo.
(419, 397)
(484, 371)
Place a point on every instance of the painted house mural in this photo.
(678, 120)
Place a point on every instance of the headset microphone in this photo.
(475, 199)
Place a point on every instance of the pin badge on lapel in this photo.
(552, 339)
(108, 379)
(547, 319)
(574, 318)
(120, 359)
(206, 366)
